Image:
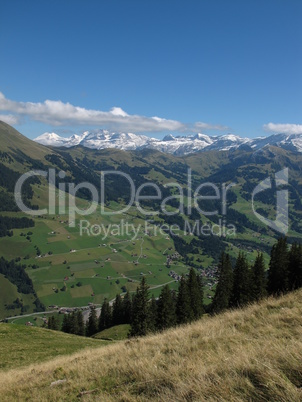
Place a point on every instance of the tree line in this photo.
(17, 275)
(145, 314)
(244, 284)
(7, 223)
(8, 179)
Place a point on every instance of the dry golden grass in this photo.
(253, 354)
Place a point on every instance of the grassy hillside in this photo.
(116, 333)
(21, 345)
(9, 293)
(253, 354)
(18, 146)
(101, 271)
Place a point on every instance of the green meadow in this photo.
(34, 345)
(72, 270)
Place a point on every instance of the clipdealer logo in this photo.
(280, 224)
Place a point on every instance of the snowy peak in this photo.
(104, 139)
(169, 137)
(177, 145)
(55, 140)
(291, 142)
(203, 137)
(181, 145)
(229, 141)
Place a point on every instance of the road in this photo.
(84, 308)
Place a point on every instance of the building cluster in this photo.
(172, 257)
(174, 275)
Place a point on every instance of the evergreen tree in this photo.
(105, 320)
(258, 279)
(174, 298)
(184, 311)
(80, 323)
(295, 267)
(49, 322)
(73, 320)
(66, 324)
(241, 282)
(224, 286)
(166, 316)
(140, 311)
(278, 268)
(127, 308)
(92, 325)
(152, 315)
(196, 294)
(53, 323)
(117, 311)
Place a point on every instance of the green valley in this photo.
(74, 264)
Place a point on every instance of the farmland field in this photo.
(71, 270)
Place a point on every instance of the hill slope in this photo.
(16, 144)
(250, 354)
(28, 345)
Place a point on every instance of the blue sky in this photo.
(211, 66)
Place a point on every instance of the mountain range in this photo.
(176, 145)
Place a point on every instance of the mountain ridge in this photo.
(175, 145)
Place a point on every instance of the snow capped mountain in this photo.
(98, 139)
(293, 142)
(177, 145)
(180, 145)
(104, 139)
(55, 140)
(229, 141)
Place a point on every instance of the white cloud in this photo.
(10, 119)
(205, 126)
(283, 128)
(117, 111)
(57, 113)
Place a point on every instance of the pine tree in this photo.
(224, 286)
(196, 294)
(295, 267)
(278, 275)
(105, 320)
(80, 323)
(66, 324)
(258, 279)
(73, 320)
(117, 311)
(184, 311)
(152, 324)
(127, 308)
(53, 323)
(166, 316)
(241, 282)
(140, 311)
(92, 325)
(49, 322)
